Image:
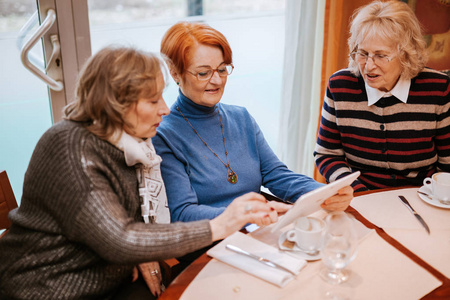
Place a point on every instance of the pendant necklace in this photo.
(231, 175)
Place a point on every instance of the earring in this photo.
(178, 83)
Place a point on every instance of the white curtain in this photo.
(300, 103)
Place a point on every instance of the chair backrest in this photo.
(7, 200)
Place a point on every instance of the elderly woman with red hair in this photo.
(213, 152)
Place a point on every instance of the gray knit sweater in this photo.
(78, 231)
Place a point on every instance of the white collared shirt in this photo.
(400, 91)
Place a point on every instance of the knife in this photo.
(415, 213)
(259, 258)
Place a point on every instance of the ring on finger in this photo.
(154, 272)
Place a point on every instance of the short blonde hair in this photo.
(109, 83)
(395, 21)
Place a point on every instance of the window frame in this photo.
(72, 29)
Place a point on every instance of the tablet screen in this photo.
(310, 202)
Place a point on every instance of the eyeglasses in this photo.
(206, 74)
(378, 59)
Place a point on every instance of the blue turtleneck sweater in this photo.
(196, 181)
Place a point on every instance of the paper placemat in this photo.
(379, 272)
(386, 210)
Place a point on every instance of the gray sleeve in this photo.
(105, 227)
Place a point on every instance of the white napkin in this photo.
(273, 275)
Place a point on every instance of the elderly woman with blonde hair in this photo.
(387, 115)
(94, 204)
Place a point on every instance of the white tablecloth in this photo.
(379, 272)
(387, 211)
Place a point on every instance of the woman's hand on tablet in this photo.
(249, 208)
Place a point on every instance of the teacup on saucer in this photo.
(439, 185)
(427, 196)
(292, 249)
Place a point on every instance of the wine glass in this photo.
(338, 247)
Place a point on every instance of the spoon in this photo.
(309, 252)
(425, 194)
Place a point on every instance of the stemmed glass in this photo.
(338, 247)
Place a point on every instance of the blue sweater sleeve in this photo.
(281, 181)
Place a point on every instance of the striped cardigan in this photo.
(392, 143)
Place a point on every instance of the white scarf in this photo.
(141, 154)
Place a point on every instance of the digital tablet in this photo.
(310, 202)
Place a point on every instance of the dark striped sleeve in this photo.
(435, 88)
(329, 153)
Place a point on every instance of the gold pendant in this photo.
(232, 177)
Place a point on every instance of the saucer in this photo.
(432, 200)
(295, 250)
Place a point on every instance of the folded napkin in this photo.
(275, 276)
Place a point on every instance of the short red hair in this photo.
(181, 37)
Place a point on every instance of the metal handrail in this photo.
(40, 32)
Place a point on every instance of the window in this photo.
(24, 103)
(254, 28)
(257, 50)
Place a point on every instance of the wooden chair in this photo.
(7, 201)
(171, 269)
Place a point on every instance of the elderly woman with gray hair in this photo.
(387, 115)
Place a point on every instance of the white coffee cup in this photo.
(439, 185)
(307, 233)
